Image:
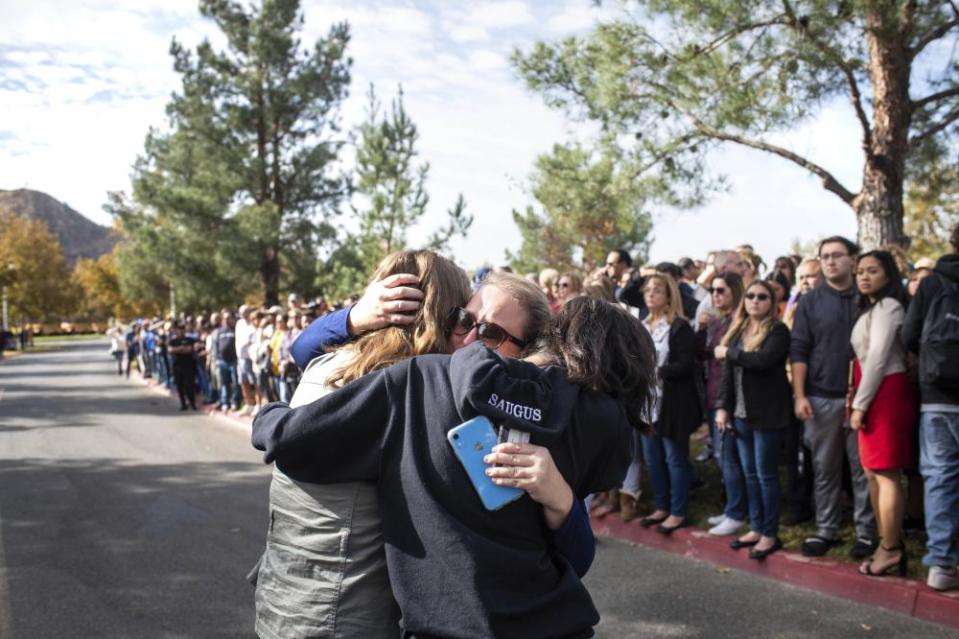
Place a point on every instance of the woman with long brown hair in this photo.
(755, 403)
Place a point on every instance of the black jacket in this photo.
(679, 415)
(458, 570)
(766, 391)
(948, 267)
(820, 339)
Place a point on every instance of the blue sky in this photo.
(81, 83)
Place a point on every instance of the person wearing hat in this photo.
(920, 271)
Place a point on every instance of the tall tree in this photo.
(389, 199)
(247, 175)
(690, 74)
(34, 271)
(592, 203)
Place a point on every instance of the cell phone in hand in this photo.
(472, 441)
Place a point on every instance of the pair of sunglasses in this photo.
(461, 322)
(762, 297)
(718, 289)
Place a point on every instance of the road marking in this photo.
(6, 629)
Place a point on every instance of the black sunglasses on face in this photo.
(762, 297)
(461, 322)
(717, 289)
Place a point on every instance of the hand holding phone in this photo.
(472, 441)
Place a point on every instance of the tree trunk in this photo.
(270, 276)
(878, 207)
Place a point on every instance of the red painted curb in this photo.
(906, 596)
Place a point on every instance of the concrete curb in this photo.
(842, 579)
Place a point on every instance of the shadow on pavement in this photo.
(127, 550)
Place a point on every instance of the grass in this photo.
(707, 500)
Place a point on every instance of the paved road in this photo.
(121, 517)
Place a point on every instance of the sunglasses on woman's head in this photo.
(762, 297)
(461, 322)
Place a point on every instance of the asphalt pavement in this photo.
(122, 517)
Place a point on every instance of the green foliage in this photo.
(684, 75)
(592, 203)
(245, 178)
(932, 211)
(390, 199)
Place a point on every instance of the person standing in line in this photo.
(930, 329)
(618, 264)
(675, 413)
(691, 272)
(754, 401)
(244, 333)
(808, 275)
(182, 348)
(821, 354)
(884, 405)
(724, 261)
(132, 340)
(227, 362)
(727, 292)
(115, 333)
(568, 286)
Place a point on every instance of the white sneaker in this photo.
(716, 519)
(943, 578)
(726, 527)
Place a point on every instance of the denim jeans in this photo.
(939, 466)
(229, 389)
(759, 454)
(669, 472)
(733, 482)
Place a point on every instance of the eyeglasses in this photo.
(762, 297)
(826, 257)
(718, 290)
(461, 322)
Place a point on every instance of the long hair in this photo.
(445, 287)
(893, 287)
(734, 281)
(766, 323)
(605, 349)
(674, 305)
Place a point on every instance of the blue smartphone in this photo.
(472, 440)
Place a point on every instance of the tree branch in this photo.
(935, 97)
(745, 28)
(829, 182)
(932, 36)
(855, 96)
(946, 120)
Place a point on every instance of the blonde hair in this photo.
(548, 277)
(529, 297)
(766, 324)
(445, 287)
(674, 308)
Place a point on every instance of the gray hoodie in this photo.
(820, 338)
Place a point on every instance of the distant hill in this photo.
(79, 236)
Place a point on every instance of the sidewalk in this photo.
(906, 596)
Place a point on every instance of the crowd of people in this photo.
(842, 367)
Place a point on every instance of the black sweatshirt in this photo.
(820, 339)
(458, 570)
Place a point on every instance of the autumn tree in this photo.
(101, 294)
(683, 76)
(35, 272)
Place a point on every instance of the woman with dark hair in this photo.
(727, 294)
(755, 402)
(453, 564)
(676, 410)
(884, 404)
(781, 287)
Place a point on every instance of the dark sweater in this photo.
(458, 570)
(765, 385)
(679, 414)
(820, 339)
(929, 288)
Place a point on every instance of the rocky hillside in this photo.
(79, 237)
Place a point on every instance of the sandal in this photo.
(902, 564)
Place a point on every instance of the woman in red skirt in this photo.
(884, 409)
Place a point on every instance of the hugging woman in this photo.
(453, 565)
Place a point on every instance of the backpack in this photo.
(939, 345)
